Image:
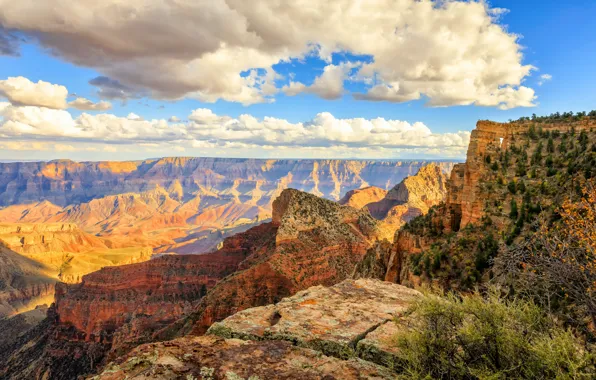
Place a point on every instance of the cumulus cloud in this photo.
(205, 129)
(449, 52)
(22, 91)
(84, 104)
(174, 119)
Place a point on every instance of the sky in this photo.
(383, 79)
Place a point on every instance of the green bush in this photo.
(513, 214)
(475, 337)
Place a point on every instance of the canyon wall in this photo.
(465, 199)
(453, 237)
(311, 241)
(64, 182)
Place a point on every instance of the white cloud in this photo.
(206, 129)
(36, 146)
(22, 91)
(174, 119)
(329, 85)
(544, 78)
(449, 52)
(84, 104)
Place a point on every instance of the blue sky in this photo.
(557, 39)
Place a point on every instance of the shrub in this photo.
(514, 212)
(448, 337)
(521, 186)
(486, 250)
(550, 146)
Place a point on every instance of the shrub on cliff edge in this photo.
(476, 337)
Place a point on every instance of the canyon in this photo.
(89, 215)
(252, 181)
(303, 286)
(309, 241)
(178, 205)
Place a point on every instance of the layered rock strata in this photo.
(311, 241)
(345, 332)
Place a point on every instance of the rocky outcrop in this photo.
(317, 242)
(333, 320)
(361, 197)
(465, 198)
(344, 332)
(412, 197)
(211, 357)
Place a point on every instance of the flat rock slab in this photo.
(212, 357)
(332, 320)
(380, 346)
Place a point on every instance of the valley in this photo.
(166, 206)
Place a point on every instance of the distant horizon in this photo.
(247, 158)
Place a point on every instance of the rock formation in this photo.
(359, 198)
(410, 198)
(24, 283)
(343, 332)
(311, 241)
(506, 163)
(466, 197)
